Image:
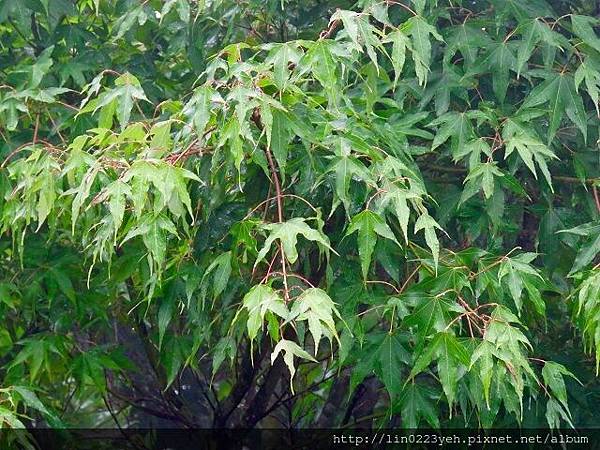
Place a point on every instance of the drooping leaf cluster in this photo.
(208, 205)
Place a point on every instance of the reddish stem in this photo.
(596, 198)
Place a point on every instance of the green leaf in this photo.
(589, 71)
(456, 126)
(416, 404)
(555, 412)
(467, 38)
(83, 192)
(41, 67)
(392, 355)
(395, 200)
(170, 181)
(126, 22)
(560, 94)
(482, 176)
(63, 281)
(419, 30)
(369, 225)
(287, 233)
(154, 232)
(588, 301)
(499, 61)
(531, 36)
(528, 148)
(583, 27)
(165, 313)
(225, 347)
(533, 33)
(221, 270)
(317, 308)
(360, 31)
(517, 271)
(500, 332)
(257, 302)
(280, 136)
(400, 42)
(173, 359)
(483, 355)
(10, 418)
(199, 108)
(122, 98)
(432, 313)
(47, 197)
(323, 66)
(450, 355)
(553, 375)
(118, 192)
(285, 54)
(346, 168)
(587, 254)
(290, 350)
(222, 274)
(31, 399)
(428, 224)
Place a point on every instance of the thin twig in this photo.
(62, 139)
(412, 274)
(393, 2)
(596, 198)
(290, 274)
(384, 283)
(326, 34)
(495, 263)
(279, 199)
(266, 277)
(36, 129)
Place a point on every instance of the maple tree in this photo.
(298, 214)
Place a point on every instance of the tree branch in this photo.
(279, 198)
(241, 387)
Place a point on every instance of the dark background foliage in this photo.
(153, 113)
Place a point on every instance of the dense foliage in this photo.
(275, 213)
